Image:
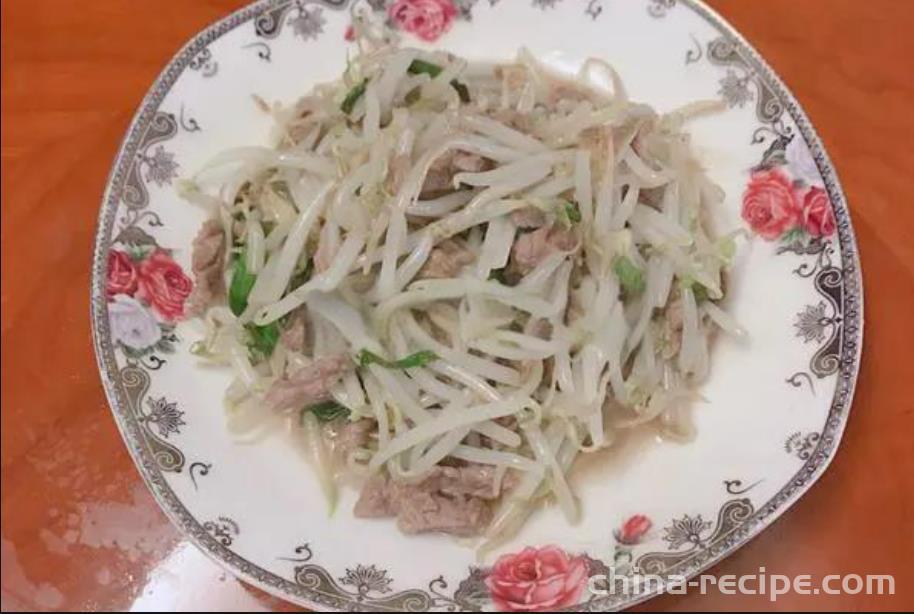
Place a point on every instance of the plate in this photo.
(776, 403)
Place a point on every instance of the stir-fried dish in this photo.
(456, 278)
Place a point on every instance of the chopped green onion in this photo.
(630, 277)
(572, 212)
(412, 96)
(353, 96)
(421, 67)
(419, 359)
(240, 286)
(263, 339)
(499, 276)
(326, 411)
(462, 90)
(699, 291)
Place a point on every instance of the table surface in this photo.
(79, 529)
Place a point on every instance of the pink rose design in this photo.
(537, 579)
(427, 19)
(164, 285)
(818, 218)
(633, 530)
(122, 274)
(770, 205)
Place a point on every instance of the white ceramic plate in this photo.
(777, 403)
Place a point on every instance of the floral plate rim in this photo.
(750, 521)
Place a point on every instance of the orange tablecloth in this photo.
(79, 529)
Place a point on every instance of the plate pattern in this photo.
(127, 248)
(790, 156)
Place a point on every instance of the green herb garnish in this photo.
(572, 212)
(326, 411)
(412, 96)
(462, 91)
(419, 359)
(421, 67)
(263, 339)
(240, 286)
(499, 276)
(630, 277)
(699, 291)
(353, 96)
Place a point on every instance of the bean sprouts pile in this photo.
(444, 266)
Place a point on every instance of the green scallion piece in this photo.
(240, 286)
(353, 97)
(630, 277)
(326, 411)
(419, 359)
